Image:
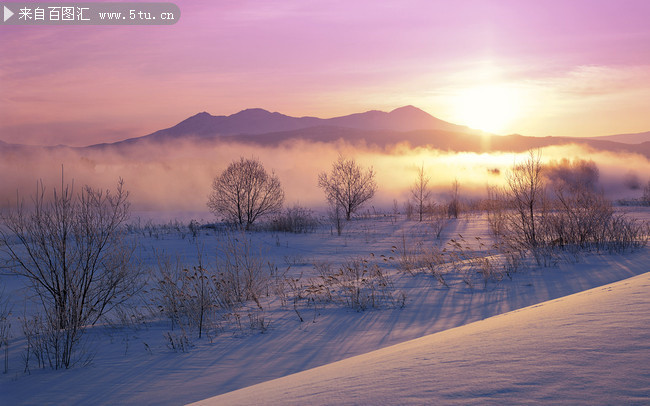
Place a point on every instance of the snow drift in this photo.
(587, 348)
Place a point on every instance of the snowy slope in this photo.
(592, 347)
(133, 365)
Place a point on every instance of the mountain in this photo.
(252, 122)
(406, 118)
(466, 141)
(636, 138)
(373, 128)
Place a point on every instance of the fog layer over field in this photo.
(177, 175)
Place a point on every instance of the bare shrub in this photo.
(169, 295)
(525, 191)
(348, 186)
(244, 192)
(584, 220)
(414, 257)
(623, 233)
(432, 260)
(576, 217)
(199, 301)
(71, 249)
(241, 272)
(5, 329)
(296, 219)
(358, 284)
(178, 341)
(437, 219)
(258, 321)
(207, 300)
(459, 258)
(37, 337)
(185, 295)
(407, 253)
(495, 207)
(491, 263)
(580, 218)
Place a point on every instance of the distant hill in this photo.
(373, 128)
(258, 121)
(636, 138)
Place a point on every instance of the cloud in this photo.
(595, 80)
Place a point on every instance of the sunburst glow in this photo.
(489, 108)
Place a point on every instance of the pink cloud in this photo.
(300, 57)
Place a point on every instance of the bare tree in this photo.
(71, 249)
(420, 191)
(245, 191)
(348, 186)
(525, 189)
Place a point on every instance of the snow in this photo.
(590, 348)
(134, 366)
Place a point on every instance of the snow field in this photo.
(133, 365)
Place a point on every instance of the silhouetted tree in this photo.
(245, 191)
(525, 189)
(71, 249)
(348, 186)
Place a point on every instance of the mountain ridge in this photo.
(255, 121)
(407, 124)
(628, 138)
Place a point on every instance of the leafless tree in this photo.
(348, 186)
(525, 190)
(420, 191)
(245, 191)
(71, 249)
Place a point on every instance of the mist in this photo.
(176, 176)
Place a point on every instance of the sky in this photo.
(539, 68)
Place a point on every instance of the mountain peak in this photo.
(255, 121)
(252, 111)
(408, 109)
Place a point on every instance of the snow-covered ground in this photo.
(588, 348)
(134, 365)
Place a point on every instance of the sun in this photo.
(490, 108)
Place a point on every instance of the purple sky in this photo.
(563, 68)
